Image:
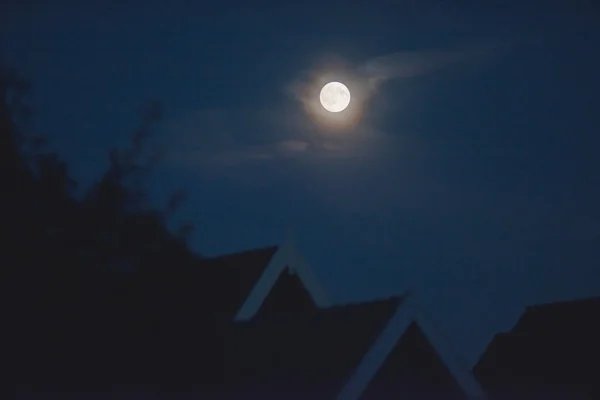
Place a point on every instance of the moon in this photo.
(335, 97)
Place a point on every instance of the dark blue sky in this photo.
(472, 174)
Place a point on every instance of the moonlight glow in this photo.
(335, 97)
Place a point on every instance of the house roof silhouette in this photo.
(556, 315)
(410, 311)
(239, 283)
(552, 350)
(413, 369)
(229, 279)
(313, 352)
(349, 342)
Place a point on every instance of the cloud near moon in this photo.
(365, 79)
(236, 137)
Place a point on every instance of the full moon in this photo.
(335, 97)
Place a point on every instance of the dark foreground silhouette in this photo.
(100, 298)
(553, 352)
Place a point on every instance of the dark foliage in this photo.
(91, 286)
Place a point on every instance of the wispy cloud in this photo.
(229, 138)
(405, 65)
(240, 137)
(411, 64)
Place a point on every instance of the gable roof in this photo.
(237, 284)
(406, 313)
(309, 352)
(321, 329)
(414, 369)
(227, 280)
(287, 296)
(286, 256)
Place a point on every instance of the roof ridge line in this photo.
(263, 248)
(406, 313)
(285, 257)
(561, 302)
(395, 297)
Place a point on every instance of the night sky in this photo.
(470, 172)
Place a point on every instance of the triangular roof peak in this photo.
(409, 310)
(288, 257)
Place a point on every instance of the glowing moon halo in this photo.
(335, 97)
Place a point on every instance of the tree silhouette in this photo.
(86, 282)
